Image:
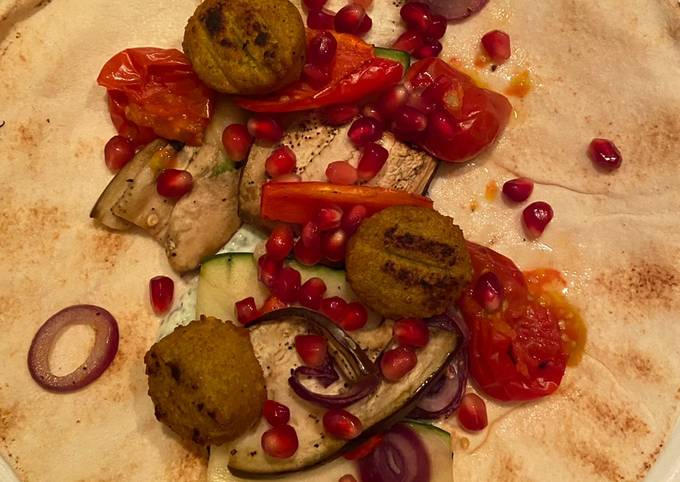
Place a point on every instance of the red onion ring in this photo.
(326, 374)
(456, 10)
(360, 389)
(101, 356)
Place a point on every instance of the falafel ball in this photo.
(246, 46)
(408, 261)
(205, 382)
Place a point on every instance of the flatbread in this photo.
(608, 68)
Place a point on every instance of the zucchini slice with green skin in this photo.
(397, 55)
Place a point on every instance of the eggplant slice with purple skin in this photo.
(380, 407)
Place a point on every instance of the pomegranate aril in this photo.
(280, 442)
(316, 76)
(352, 218)
(307, 255)
(372, 160)
(536, 217)
(409, 41)
(365, 130)
(397, 362)
(421, 81)
(355, 317)
(392, 100)
(321, 49)
(349, 18)
(365, 26)
(320, 19)
(292, 177)
(246, 310)
(287, 285)
(417, 16)
(370, 110)
(334, 308)
(605, 154)
(161, 292)
(342, 173)
(334, 245)
(311, 293)
(275, 413)
(341, 114)
(272, 304)
(265, 128)
(280, 242)
(312, 349)
(472, 413)
(268, 270)
(310, 234)
(118, 151)
(411, 332)
(409, 120)
(488, 292)
(236, 141)
(518, 190)
(174, 183)
(281, 161)
(442, 125)
(329, 218)
(497, 46)
(437, 27)
(428, 49)
(341, 424)
(314, 4)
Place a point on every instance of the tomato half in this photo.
(518, 352)
(155, 93)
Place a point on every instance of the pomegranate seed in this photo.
(275, 413)
(392, 100)
(311, 293)
(605, 154)
(287, 285)
(437, 27)
(536, 217)
(442, 125)
(355, 317)
(371, 111)
(334, 308)
(427, 50)
(281, 161)
(352, 218)
(472, 413)
(161, 291)
(280, 442)
(321, 50)
(268, 270)
(246, 310)
(409, 41)
(118, 151)
(396, 363)
(265, 128)
(341, 424)
(315, 76)
(236, 141)
(342, 173)
(320, 19)
(292, 177)
(307, 255)
(488, 292)
(411, 332)
(365, 130)
(519, 189)
(334, 245)
(417, 16)
(314, 4)
(349, 18)
(312, 349)
(280, 242)
(365, 26)
(347, 478)
(409, 120)
(311, 234)
(174, 183)
(341, 114)
(497, 46)
(272, 304)
(329, 218)
(421, 81)
(372, 160)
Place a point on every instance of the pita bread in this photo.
(608, 68)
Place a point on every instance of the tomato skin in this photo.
(479, 115)
(155, 93)
(517, 353)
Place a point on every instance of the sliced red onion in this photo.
(101, 356)
(357, 391)
(326, 374)
(401, 457)
(456, 10)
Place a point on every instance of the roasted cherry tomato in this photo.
(464, 119)
(155, 93)
(517, 352)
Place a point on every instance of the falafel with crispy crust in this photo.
(205, 382)
(408, 262)
(246, 46)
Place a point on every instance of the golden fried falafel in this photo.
(246, 46)
(408, 262)
(205, 382)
